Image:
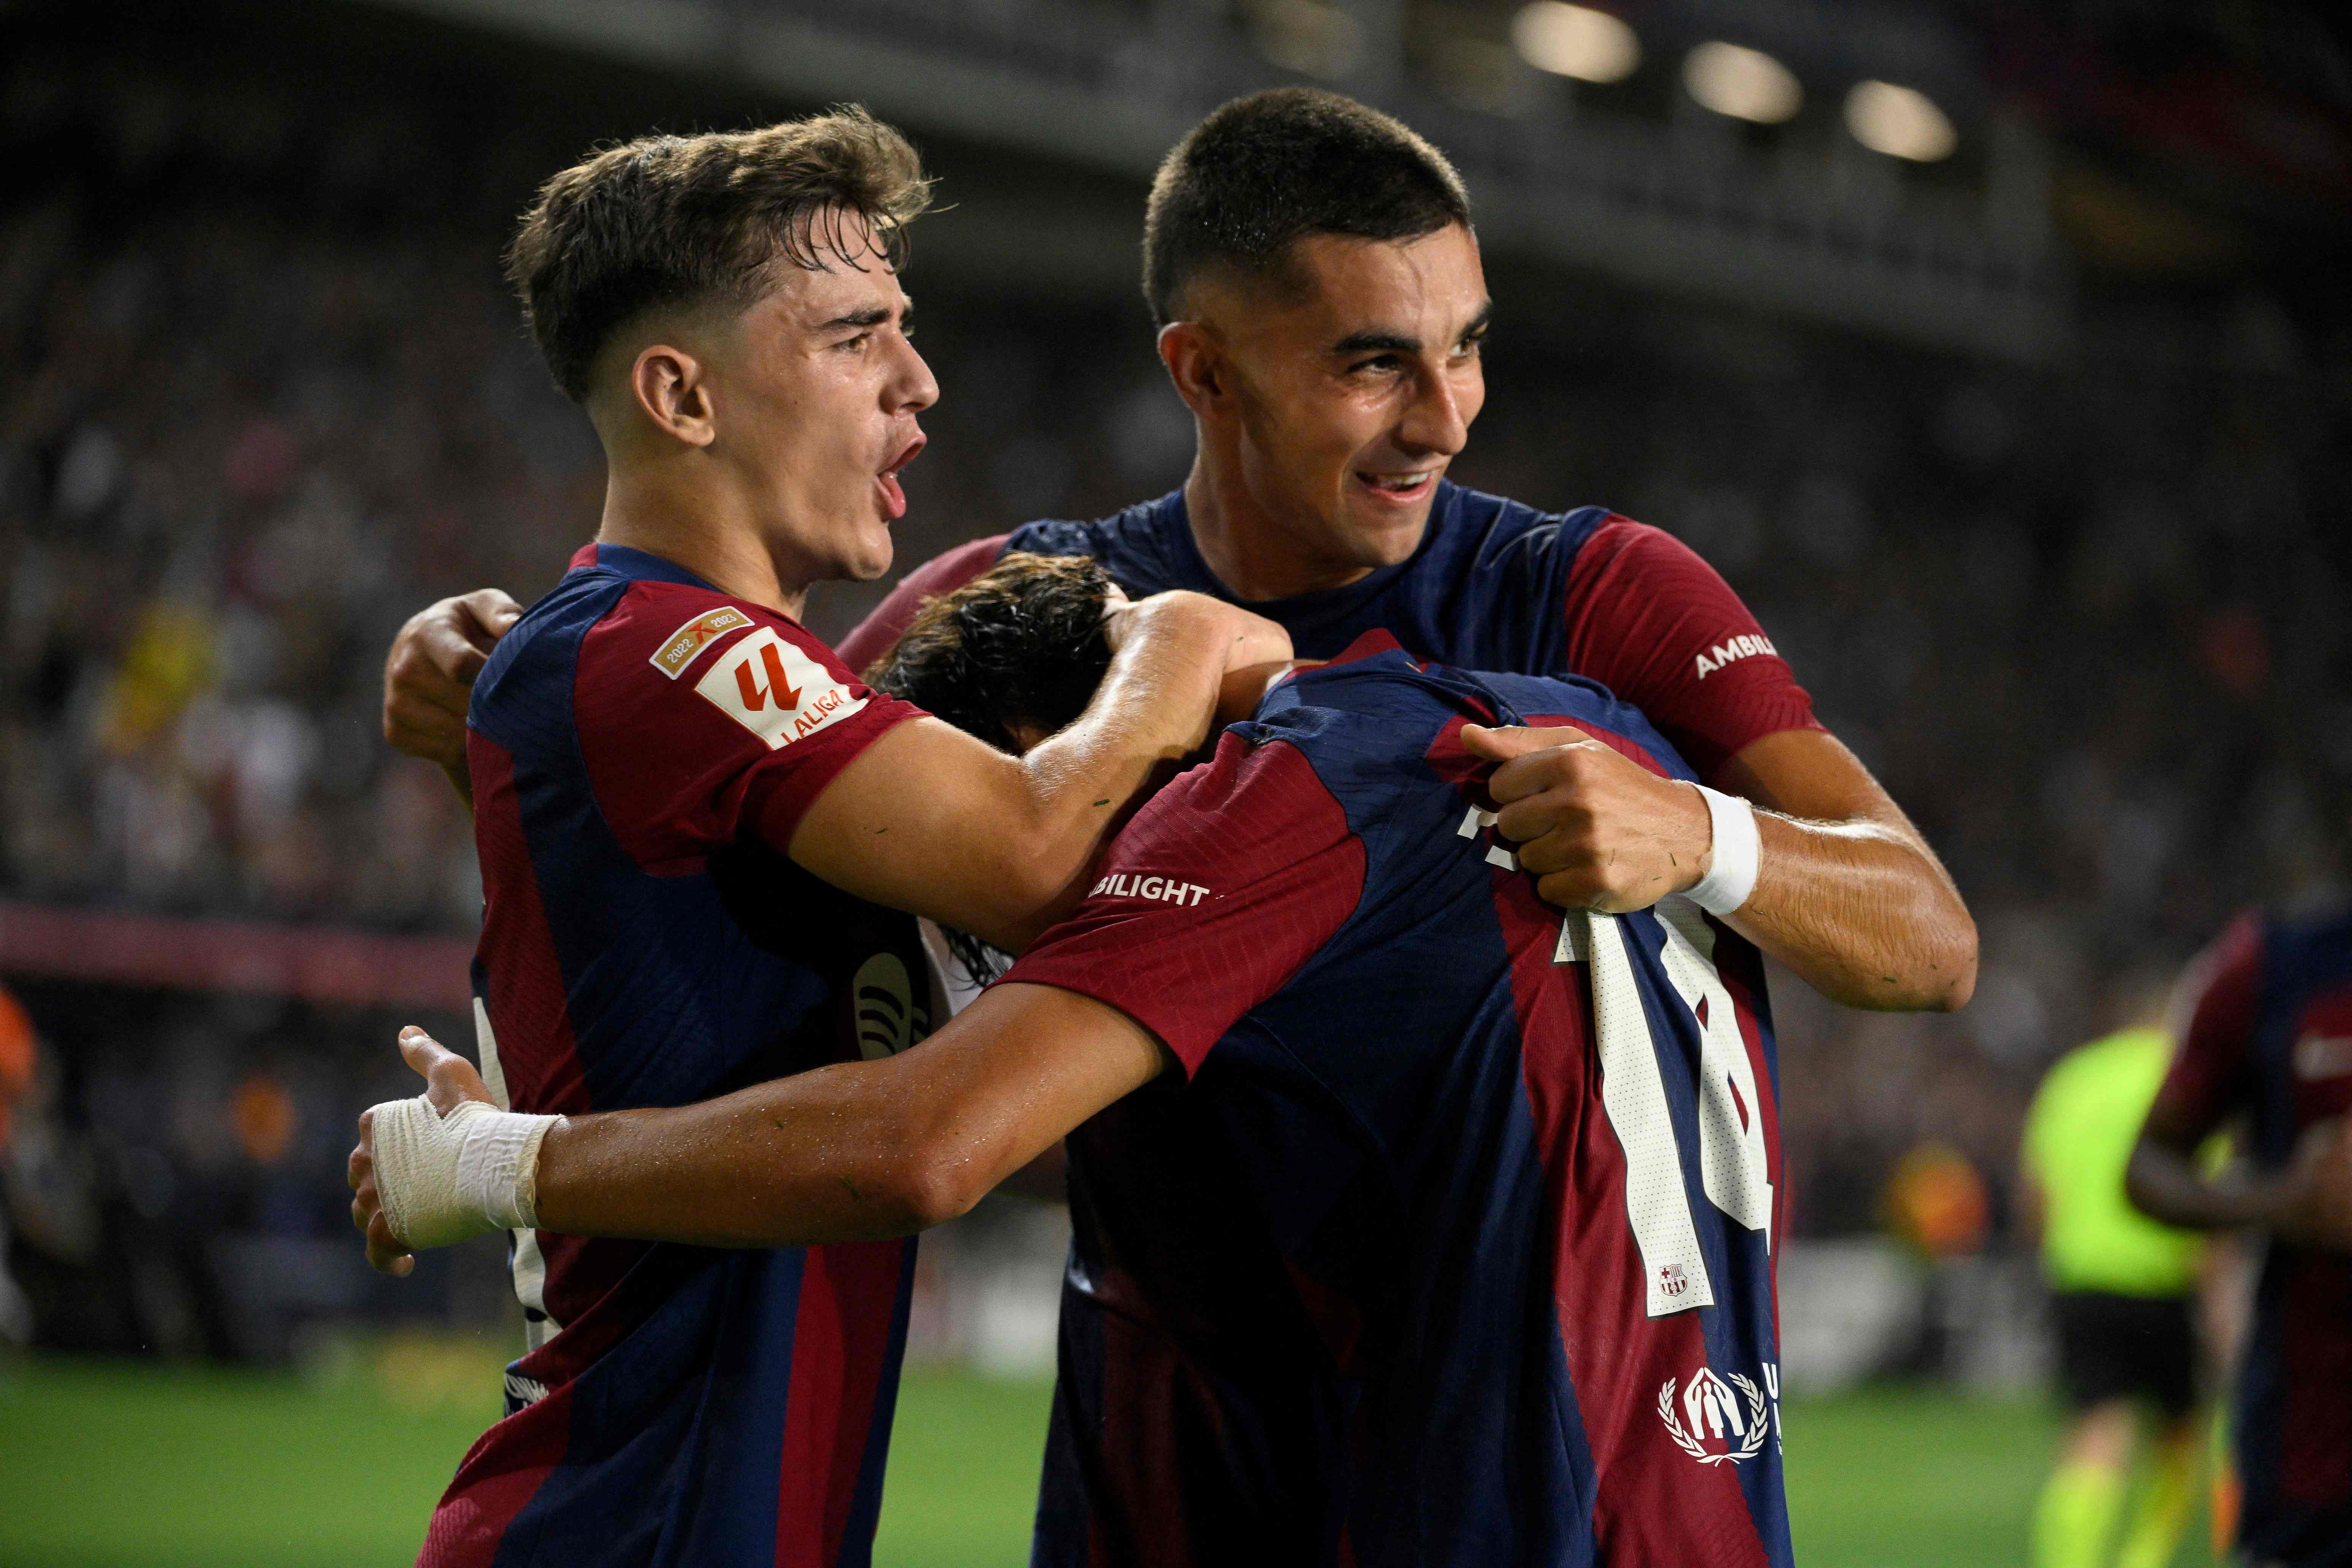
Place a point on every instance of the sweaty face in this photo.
(1355, 396)
(816, 390)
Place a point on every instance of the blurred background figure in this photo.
(1938, 1207)
(20, 1053)
(2122, 1289)
(2266, 1043)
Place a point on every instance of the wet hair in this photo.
(1265, 171)
(1019, 646)
(690, 220)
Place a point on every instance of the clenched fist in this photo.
(1599, 831)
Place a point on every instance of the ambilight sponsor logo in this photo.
(1134, 885)
(1739, 647)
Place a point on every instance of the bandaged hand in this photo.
(424, 1175)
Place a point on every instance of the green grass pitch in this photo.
(108, 1465)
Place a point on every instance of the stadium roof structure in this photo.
(1817, 226)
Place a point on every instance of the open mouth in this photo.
(894, 499)
(1398, 487)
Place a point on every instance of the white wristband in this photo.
(1731, 865)
(442, 1179)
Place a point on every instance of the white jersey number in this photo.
(1731, 1155)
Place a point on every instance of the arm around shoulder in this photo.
(855, 1152)
(929, 820)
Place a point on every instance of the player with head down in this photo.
(1502, 1183)
(696, 827)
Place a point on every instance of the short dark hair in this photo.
(1020, 646)
(1265, 170)
(679, 220)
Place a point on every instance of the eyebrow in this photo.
(1396, 343)
(872, 316)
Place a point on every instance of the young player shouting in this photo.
(690, 816)
(1513, 1175)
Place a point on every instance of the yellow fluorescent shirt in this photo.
(2078, 1138)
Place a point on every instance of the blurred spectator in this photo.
(19, 1067)
(1936, 1203)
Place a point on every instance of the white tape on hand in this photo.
(442, 1179)
(1731, 866)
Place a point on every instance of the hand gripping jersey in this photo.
(2270, 1037)
(642, 747)
(1214, 1428)
(1498, 1186)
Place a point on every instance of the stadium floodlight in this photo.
(1575, 41)
(1899, 121)
(1308, 37)
(1745, 84)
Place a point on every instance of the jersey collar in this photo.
(1304, 608)
(638, 565)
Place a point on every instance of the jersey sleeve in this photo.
(1220, 890)
(702, 720)
(2220, 1001)
(942, 573)
(1660, 628)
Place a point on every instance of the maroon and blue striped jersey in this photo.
(2269, 1038)
(642, 747)
(1455, 1244)
(1174, 1442)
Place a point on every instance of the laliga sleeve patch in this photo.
(775, 691)
(687, 643)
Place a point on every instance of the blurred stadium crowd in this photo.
(2086, 621)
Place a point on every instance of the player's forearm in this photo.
(858, 1150)
(1154, 708)
(822, 1156)
(1862, 912)
(2164, 1185)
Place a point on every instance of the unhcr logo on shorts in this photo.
(1728, 1420)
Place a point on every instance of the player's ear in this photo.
(1196, 364)
(671, 387)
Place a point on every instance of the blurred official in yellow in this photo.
(2123, 1286)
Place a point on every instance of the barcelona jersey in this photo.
(642, 747)
(1174, 1441)
(2269, 1038)
(1461, 1243)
